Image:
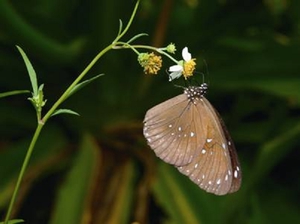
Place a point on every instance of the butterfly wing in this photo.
(237, 174)
(172, 132)
(216, 169)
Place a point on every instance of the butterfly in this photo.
(187, 132)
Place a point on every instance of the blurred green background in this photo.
(97, 168)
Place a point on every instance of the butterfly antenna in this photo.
(206, 72)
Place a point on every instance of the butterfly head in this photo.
(194, 93)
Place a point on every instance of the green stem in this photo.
(23, 168)
(129, 22)
(41, 122)
(126, 45)
(76, 81)
(79, 78)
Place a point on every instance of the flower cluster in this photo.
(152, 63)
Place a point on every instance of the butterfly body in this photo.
(187, 132)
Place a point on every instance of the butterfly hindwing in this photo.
(211, 170)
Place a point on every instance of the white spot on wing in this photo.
(223, 146)
(236, 174)
(156, 136)
(170, 125)
(196, 165)
(192, 134)
(179, 128)
(208, 140)
(203, 151)
(218, 181)
(226, 177)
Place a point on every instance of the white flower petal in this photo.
(175, 75)
(175, 68)
(186, 55)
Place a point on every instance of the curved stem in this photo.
(79, 78)
(64, 96)
(41, 123)
(129, 22)
(23, 168)
(76, 81)
(126, 45)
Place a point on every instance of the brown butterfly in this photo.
(187, 131)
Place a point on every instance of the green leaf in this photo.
(136, 37)
(120, 27)
(121, 207)
(15, 92)
(31, 72)
(270, 155)
(14, 221)
(181, 198)
(64, 111)
(49, 146)
(82, 84)
(73, 198)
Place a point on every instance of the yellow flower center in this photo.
(188, 68)
(153, 64)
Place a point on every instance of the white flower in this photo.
(181, 68)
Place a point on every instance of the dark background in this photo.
(97, 168)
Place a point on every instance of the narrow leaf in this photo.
(31, 72)
(181, 198)
(82, 84)
(64, 111)
(15, 92)
(120, 27)
(14, 221)
(75, 194)
(136, 37)
(177, 207)
(121, 207)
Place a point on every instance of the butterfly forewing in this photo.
(170, 129)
